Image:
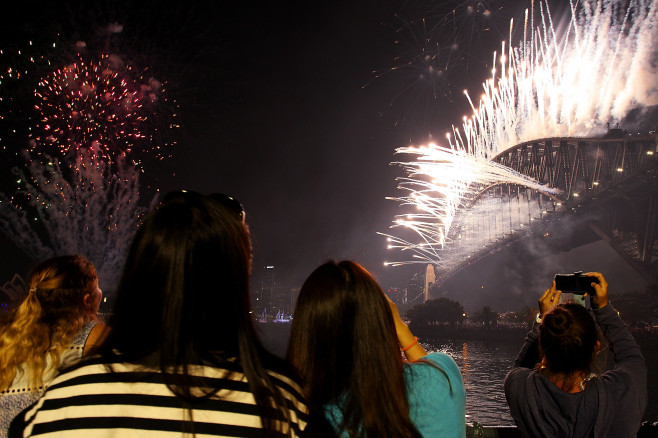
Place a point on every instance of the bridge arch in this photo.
(619, 174)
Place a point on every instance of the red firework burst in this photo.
(104, 105)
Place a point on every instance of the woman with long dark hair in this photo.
(54, 324)
(555, 388)
(182, 356)
(346, 341)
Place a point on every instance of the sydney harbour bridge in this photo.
(610, 182)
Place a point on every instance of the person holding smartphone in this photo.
(555, 389)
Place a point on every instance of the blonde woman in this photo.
(54, 325)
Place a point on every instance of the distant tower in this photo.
(265, 293)
(429, 279)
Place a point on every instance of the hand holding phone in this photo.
(549, 299)
(600, 295)
(576, 283)
(575, 287)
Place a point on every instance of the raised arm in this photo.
(626, 352)
(529, 354)
(408, 342)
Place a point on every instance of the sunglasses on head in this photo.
(225, 200)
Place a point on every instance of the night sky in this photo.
(281, 106)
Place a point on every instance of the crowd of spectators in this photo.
(167, 363)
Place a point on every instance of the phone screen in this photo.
(568, 297)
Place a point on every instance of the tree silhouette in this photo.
(437, 311)
(487, 316)
(525, 316)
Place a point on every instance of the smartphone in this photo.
(575, 283)
(574, 287)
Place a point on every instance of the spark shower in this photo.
(557, 81)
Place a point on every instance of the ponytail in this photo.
(47, 319)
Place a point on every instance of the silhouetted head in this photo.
(64, 286)
(343, 342)
(342, 321)
(63, 295)
(185, 284)
(183, 301)
(567, 339)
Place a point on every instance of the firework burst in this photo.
(71, 97)
(569, 80)
(103, 104)
(80, 128)
(573, 83)
(440, 182)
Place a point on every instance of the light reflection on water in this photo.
(484, 366)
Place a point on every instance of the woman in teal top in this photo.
(346, 341)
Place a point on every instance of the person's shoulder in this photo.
(97, 368)
(283, 375)
(89, 365)
(520, 376)
(279, 367)
(439, 359)
(286, 379)
(434, 366)
(95, 336)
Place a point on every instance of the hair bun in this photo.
(558, 322)
(567, 339)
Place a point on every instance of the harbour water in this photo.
(484, 366)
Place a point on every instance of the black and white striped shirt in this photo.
(90, 400)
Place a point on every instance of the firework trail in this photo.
(603, 65)
(440, 182)
(89, 207)
(571, 82)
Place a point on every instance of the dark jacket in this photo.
(611, 405)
